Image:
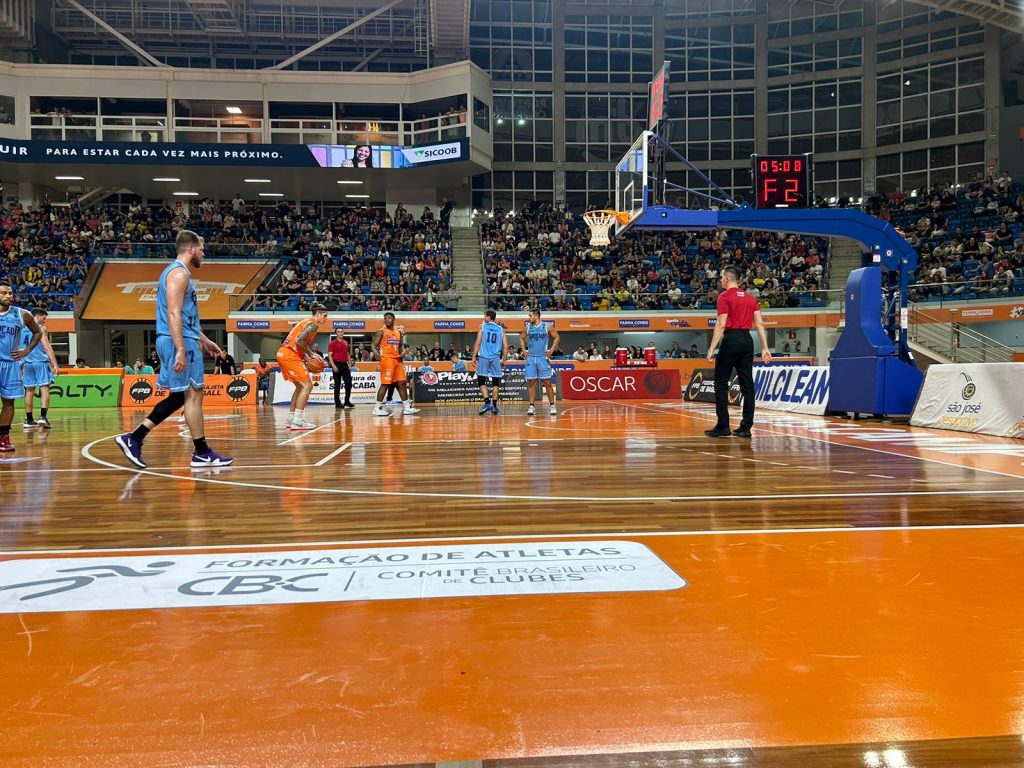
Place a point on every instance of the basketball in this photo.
(315, 364)
(658, 383)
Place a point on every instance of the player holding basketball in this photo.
(293, 356)
(387, 343)
(180, 344)
(39, 370)
(489, 350)
(538, 364)
(12, 321)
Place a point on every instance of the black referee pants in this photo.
(736, 351)
(343, 374)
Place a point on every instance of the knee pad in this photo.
(481, 381)
(495, 381)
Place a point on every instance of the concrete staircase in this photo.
(845, 256)
(467, 268)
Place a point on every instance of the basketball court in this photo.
(515, 590)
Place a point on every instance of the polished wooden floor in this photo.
(851, 595)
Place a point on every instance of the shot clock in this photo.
(782, 181)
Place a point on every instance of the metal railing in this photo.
(955, 341)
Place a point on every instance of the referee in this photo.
(737, 311)
(337, 353)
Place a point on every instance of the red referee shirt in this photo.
(740, 307)
(338, 350)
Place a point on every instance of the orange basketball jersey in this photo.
(391, 344)
(296, 333)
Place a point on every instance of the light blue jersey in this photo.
(189, 307)
(11, 325)
(38, 354)
(491, 340)
(536, 339)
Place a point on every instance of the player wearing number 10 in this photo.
(490, 349)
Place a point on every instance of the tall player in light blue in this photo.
(541, 341)
(180, 344)
(489, 352)
(12, 352)
(39, 370)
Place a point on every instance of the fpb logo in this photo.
(140, 390)
(238, 389)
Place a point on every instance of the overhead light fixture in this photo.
(500, 121)
(166, 178)
(271, 194)
(907, 81)
(69, 178)
(349, 181)
(234, 110)
(522, 121)
(358, 197)
(256, 181)
(186, 194)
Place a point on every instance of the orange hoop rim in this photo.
(621, 216)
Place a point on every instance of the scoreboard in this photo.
(783, 181)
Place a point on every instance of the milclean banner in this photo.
(795, 388)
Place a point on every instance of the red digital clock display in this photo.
(782, 181)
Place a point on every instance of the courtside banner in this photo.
(126, 290)
(795, 388)
(985, 398)
(71, 390)
(654, 384)
(141, 391)
(452, 387)
(364, 388)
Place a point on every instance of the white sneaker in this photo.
(380, 410)
(531, 411)
(410, 411)
(300, 425)
(554, 410)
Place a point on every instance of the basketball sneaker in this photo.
(488, 407)
(300, 425)
(44, 423)
(210, 459)
(531, 411)
(407, 411)
(131, 449)
(380, 410)
(29, 424)
(554, 410)
(5, 444)
(494, 410)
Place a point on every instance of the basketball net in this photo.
(600, 223)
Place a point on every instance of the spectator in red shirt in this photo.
(737, 311)
(337, 354)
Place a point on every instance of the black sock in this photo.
(42, 412)
(29, 416)
(201, 446)
(140, 433)
(5, 431)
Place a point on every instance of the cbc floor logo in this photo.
(238, 389)
(969, 389)
(140, 390)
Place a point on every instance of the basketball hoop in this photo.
(600, 223)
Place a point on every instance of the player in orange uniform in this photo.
(291, 358)
(387, 344)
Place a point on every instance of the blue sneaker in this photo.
(210, 459)
(488, 407)
(495, 411)
(131, 449)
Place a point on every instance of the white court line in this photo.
(309, 432)
(331, 455)
(763, 430)
(86, 452)
(610, 535)
(182, 467)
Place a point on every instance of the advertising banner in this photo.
(656, 384)
(82, 391)
(267, 155)
(794, 388)
(126, 290)
(141, 391)
(701, 388)
(983, 398)
(451, 387)
(364, 388)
